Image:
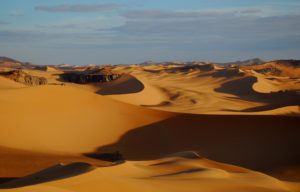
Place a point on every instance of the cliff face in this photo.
(90, 76)
(22, 77)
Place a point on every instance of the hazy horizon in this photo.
(123, 32)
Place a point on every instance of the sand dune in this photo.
(51, 69)
(126, 84)
(17, 163)
(173, 173)
(283, 68)
(81, 118)
(178, 128)
(8, 84)
(133, 90)
(221, 91)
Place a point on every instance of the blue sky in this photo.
(133, 31)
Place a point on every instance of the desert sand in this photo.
(177, 128)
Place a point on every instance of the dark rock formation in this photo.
(89, 76)
(22, 77)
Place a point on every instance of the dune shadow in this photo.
(256, 142)
(152, 71)
(183, 69)
(242, 88)
(6, 179)
(162, 104)
(115, 157)
(192, 170)
(227, 73)
(264, 108)
(124, 85)
(53, 173)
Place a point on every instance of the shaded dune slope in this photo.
(124, 85)
(243, 88)
(59, 171)
(19, 163)
(256, 142)
(132, 90)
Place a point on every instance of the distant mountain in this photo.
(64, 65)
(6, 62)
(255, 61)
(150, 62)
(7, 59)
(9, 63)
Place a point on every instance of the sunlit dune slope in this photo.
(9, 84)
(66, 119)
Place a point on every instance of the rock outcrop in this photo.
(22, 77)
(89, 76)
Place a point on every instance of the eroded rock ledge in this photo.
(25, 78)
